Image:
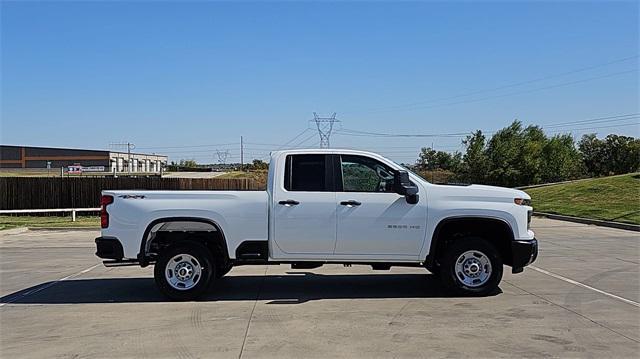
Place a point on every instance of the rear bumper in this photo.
(109, 248)
(523, 254)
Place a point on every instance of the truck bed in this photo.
(243, 214)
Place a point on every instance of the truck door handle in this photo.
(350, 203)
(289, 202)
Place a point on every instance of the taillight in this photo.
(105, 200)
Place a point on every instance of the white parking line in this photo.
(48, 285)
(557, 276)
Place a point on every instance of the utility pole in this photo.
(130, 146)
(325, 127)
(432, 172)
(241, 154)
(129, 164)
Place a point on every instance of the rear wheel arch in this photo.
(214, 239)
(495, 230)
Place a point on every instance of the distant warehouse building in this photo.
(108, 161)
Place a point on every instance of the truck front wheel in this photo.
(470, 266)
(184, 271)
(223, 271)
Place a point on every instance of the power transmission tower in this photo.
(222, 156)
(325, 127)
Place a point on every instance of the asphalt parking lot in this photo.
(580, 299)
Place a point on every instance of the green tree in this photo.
(562, 160)
(531, 157)
(614, 155)
(188, 163)
(593, 154)
(430, 160)
(517, 156)
(475, 163)
(258, 165)
(623, 154)
(504, 154)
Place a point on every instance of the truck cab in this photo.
(322, 206)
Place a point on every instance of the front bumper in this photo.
(523, 253)
(109, 248)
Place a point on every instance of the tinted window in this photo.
(363, 174)
(305, 173)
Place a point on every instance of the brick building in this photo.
(43, 157)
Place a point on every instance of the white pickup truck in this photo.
(322, 206)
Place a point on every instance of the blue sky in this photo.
(167, 75)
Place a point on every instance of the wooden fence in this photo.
(45, 193)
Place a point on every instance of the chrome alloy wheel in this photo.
(473, 268)
(183, 272)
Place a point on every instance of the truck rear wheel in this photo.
(471, 266)
(184, 271)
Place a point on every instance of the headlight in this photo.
(522, 201)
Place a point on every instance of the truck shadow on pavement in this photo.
(293, 288)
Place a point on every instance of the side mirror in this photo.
(403, 186)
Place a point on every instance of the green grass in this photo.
(7, 222)
(18, 173)
(615, 198)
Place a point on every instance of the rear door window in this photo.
(308, 173)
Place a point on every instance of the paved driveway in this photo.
(579, 300)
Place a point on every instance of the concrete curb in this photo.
(595, 222)
(63, 229)
(14, 230)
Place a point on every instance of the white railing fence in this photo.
(73, 211)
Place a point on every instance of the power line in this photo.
(612, 122)
(191, 146)
(229, 157)
(349, 132)
(594, 120)
(273, 145)
(625, 117)
(514, 93)
(516, 84)
(528, 91)
(293, 139)
(199, 151)
(400, 153)
(277, 146)
(299, 144)
(358, 133)
(596, 128)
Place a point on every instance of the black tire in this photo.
(223, 271)
(435, 269)
(452, 279)
(207, 270)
